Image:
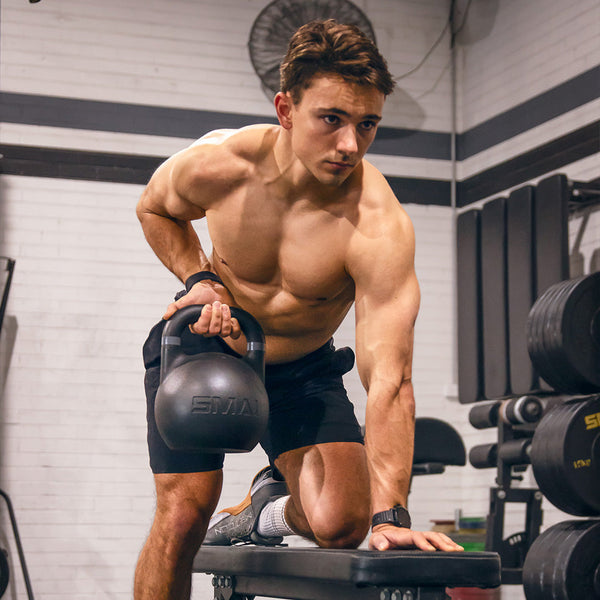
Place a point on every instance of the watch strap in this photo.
(397, 515)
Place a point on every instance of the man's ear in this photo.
(283, 107)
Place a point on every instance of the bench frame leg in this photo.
(237, 587)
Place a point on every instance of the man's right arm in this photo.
(178, 193)
(165, 212)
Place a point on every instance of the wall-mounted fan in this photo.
(278, 21)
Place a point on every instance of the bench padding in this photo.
(357, 568)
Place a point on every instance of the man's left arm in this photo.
(386, 303)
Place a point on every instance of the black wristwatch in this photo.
(398, 516)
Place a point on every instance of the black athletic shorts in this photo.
(308, 403)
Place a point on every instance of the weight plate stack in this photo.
(533, 336)
(565, 456)
(545, 456)
(563, 335)
(552, 338)
(563, 563)
(580, 335)
(537, 335)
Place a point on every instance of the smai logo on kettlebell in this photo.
(211, 401)
(217, 405)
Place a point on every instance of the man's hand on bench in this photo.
(390, 537)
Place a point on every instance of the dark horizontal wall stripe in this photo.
(123, 168)
(412, 143)
(76, 164)
(562, 151)
(27, 109)
(97, 115)
(420, 191)
(116, 117)
(567, 96)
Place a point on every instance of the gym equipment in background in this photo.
(543, 388)
(4, 567)
(279, 20)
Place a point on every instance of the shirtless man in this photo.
(302, 227)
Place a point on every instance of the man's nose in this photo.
(347, 142)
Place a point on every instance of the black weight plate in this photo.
(581, 349)
(550, 373)
(568, 351)
(538, 566)
(541, 363)
(546, 339)
(563, 464)
(535, 325)
(554, 343)
(567, 493)
(546, 458)
(539, 335)
(564, 456)
(563, 563)
(581, 470)
(560, 373)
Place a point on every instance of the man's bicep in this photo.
(170, 190)
(386, 300)
(385, 331)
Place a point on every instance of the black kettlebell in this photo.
(211, 402)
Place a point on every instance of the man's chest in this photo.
(300, 251)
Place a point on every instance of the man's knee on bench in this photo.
(340, 529)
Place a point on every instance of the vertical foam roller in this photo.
(551, 236)
(521, 286)
(468, 283)
(494, 298)
(551, 231)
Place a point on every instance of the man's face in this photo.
(333, 126)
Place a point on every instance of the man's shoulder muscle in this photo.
(218, 161)
(383, 239)
(379, 209)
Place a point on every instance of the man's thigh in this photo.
(197, 493)
(309, 405)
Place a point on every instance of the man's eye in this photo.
(368, 125)
(331, 119)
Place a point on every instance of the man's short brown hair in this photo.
(327, 47)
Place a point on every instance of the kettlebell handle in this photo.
(171, 338)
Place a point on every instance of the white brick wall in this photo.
(532, 47)
(73, 456)
(194, 54)
(87, 287)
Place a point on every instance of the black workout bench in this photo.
(242, 572)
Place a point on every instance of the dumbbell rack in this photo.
(564, 560)
(513, 549)
(528, 323)
(509, 455)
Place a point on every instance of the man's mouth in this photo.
(340, 165)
